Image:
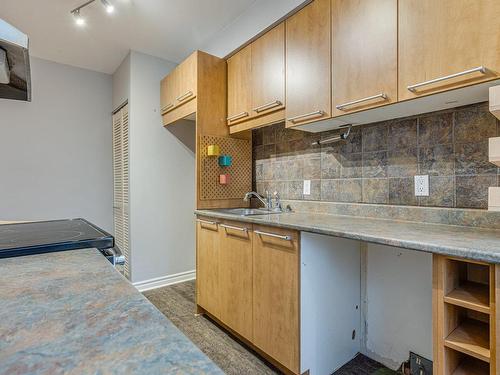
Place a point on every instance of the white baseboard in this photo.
(158, 282)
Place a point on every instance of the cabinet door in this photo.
(207, 265)
(185, 76)
(276, 294)
(239, 86)
(364, 54)
(445, 37)
(167, 92)
(308, 64)
(235, 277)
(268, 71)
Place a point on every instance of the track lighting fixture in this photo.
(108, 6)
(80, 21)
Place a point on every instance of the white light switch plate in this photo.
(307, 187)
(422, 186)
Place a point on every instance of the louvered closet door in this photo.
(121, 184)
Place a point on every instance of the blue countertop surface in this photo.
(73, 313)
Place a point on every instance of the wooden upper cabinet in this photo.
(239, 86)
(207, 266)
(180, 85)
(308, 64)
(167, 92)
(235, 277)
(186, 79)
(364, 54)
(446, 37)
(276, 294)
(268, 71)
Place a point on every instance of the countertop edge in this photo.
(428, 247)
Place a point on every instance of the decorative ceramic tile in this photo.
(375, 190)
(402, 134)
(442, 192)
(435, 129)
(437, 160)
(374, 137)
(375, 164)
(474, 124)
(402, 191)
(472, 159)
(472, 191)
(402, 163)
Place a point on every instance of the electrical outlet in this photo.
(422, 186)
(420, 365)
(307, 187)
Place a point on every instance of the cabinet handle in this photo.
(274, 235)
(206, 222)
(307, 115)
(185, 96)
(270, 105)
(166, 108)
(238, 116)
(234, 228)
(382, 95)
(481, 69)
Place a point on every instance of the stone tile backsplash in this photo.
(378, 162)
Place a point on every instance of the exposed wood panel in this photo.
(239, 86)
(364, 53)
(235, 277)
(207, 266)
(308, 64)
(276, 295)
(439, 38)
(268, 71)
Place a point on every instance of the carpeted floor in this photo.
(177, 303)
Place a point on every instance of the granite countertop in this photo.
(459, 241)
(73, 313)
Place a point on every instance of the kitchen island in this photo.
(73, 313)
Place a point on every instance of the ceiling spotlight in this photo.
(79, 20)
(108, 6)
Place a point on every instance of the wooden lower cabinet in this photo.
(207, 265)
(276, 294)
(235, 277)
(248, 279)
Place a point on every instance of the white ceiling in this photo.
(170, 29)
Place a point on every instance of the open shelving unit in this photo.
(464, 317)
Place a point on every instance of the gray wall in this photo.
(55, 152)
(162, 178)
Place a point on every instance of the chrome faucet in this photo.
(258, 196)
(268, 201)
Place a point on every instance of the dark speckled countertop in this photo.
(460, 241)
(73, 313)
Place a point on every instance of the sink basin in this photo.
(247, 211)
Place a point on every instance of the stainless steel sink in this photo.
(247, 211)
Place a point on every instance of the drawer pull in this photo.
(185, 96)
(481, 69)
(307, 115)
(206, 222)
(225, 226)
(166, 108)
(274, 235)
(382, 95)
(270, 105)
(238, 116)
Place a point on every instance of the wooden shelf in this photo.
(473, 296)
(471, 338)
(472, 366)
